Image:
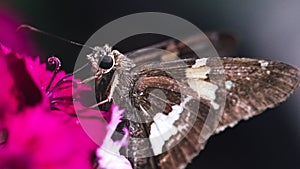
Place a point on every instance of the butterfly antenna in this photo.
(24, 26)
(62, 80)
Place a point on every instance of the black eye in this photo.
(107, 62)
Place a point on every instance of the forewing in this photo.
(247, 87)
(224, 43)
(253, 86)
(167, 96)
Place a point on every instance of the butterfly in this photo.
(175, 100)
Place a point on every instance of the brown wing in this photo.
(224, 43)
(189, 146)
(180, 109)
(250, 86)
(255, 85)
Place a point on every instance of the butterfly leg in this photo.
(100, 103)
(111, 92)
(98, 75)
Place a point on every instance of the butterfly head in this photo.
(103, 59)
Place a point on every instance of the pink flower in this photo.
(39, 128)
(108, 153)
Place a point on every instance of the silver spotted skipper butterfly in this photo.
(174, 100)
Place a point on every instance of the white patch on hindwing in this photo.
(163, 127)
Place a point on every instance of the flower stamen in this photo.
(53, 60)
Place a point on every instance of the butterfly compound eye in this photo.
(106, 62)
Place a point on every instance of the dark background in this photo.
(266, 29)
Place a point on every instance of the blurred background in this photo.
(266, 29)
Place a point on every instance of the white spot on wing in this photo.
(200, 62)
(205, 89)
(228, 84)
(197, 73)
(198, 70)
(215, 105)
(263, 64)
(162, 128)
